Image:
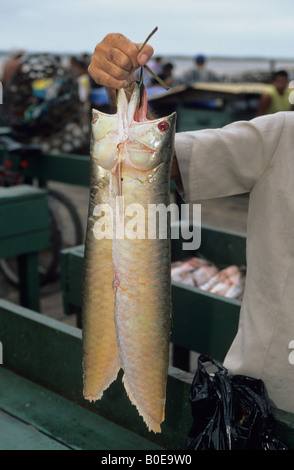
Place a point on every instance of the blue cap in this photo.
(200, 59)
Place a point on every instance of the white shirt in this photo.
(255, 156)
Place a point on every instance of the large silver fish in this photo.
(126, 284)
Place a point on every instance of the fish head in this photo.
(129, 139)
(149, 143)
(104, 139)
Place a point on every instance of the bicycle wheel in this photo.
(65, 231)
(67, 217)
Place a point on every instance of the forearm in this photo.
(263, 105)
(223, 162)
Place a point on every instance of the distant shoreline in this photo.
(227, 67)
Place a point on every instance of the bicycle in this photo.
(66, 229)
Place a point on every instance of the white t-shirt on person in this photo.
(255, 156)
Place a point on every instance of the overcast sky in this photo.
(232, 28)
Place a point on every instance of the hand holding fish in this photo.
(113, 63)
(115, 59)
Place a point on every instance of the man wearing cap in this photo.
(199, 73)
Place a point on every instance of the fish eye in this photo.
(163, 126)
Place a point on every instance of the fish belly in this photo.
(142, 316)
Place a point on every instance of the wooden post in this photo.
(29, 292)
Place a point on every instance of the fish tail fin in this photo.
(94, 392)
(101, 361)
(152, 423)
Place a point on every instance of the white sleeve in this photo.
(223, 162)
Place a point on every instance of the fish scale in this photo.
(134, 157)
(143, 325)
(99, 334)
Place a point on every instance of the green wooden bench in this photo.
(41, 403)
(24, 231)
(65, 168)
(202, 322)
(205, 322)
(41, 392)
(189, 118)
(41, 399)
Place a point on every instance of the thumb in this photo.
(145, 55)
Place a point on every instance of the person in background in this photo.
(157, 65)
(276, 98)
(166, 75)
(42, 106)
(10, 65)
(199, 73)
(80, 69)
(254, 157)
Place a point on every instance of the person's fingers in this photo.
(122, 51)
(120, 60)
(145, 55)
(108, 80)
(115, 59)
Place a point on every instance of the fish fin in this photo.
(151, 423)
(96, 394)
(101, 361)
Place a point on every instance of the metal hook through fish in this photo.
(162, 83)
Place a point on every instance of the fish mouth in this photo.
(141, 108)
(132, 103)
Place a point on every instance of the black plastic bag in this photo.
(230, 412)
